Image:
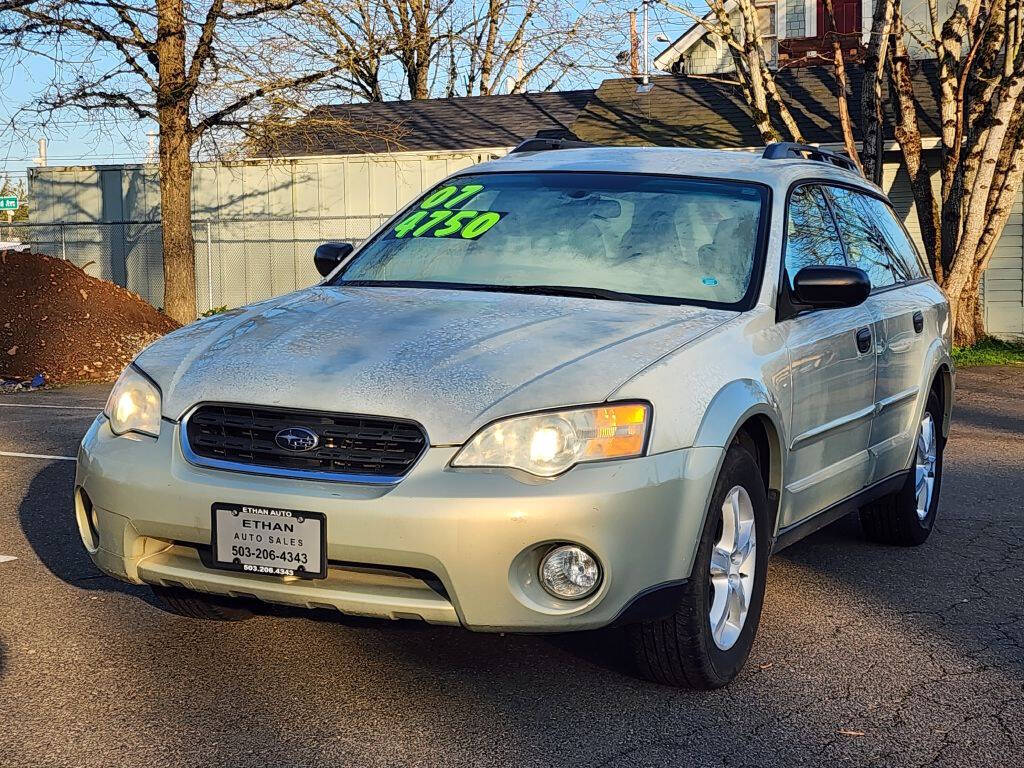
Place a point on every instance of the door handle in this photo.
(918, 321)
(864, 339)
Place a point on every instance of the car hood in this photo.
(451, 360)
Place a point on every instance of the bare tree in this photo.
(354, 34)
(979, 50)
(506, 37)
(419, 35)
(980, 62)
(189, 67)
(424, 48)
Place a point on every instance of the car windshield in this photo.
(625, 236)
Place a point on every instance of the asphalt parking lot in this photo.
(867, 655)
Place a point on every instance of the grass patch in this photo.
(989, 352)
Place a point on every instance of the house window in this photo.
(848, 16)
(767, 22)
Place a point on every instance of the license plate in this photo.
(276, 542)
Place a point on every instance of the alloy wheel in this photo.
(733, 560)
(927, 457)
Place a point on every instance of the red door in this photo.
(848, 18)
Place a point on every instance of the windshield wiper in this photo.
(574, 290)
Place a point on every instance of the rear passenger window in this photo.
(867, 246)
(906, 258)
(811, 238)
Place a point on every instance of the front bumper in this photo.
(479, 532)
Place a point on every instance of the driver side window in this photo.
(811, 236)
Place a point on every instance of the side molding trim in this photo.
(840, 509)
(819, 432)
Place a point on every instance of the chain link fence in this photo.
(238, 261)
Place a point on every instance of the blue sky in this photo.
(73, 138)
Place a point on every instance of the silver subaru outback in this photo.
(572, 388)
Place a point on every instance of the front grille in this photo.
(349, 445)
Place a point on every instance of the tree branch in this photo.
(244, 101)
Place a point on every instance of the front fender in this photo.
(729, 409)
(733, 405)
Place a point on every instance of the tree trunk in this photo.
(755, 72)
(871, 95)
(421, 81)
(176, 215)
(908, 134)
(175, 164)
(784, 114)
(841, 86)
(968, 321)
(976, 199)
(728, 36)
(419, 85)
(490, 41)
(975, 95)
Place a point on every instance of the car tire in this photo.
(683, 649)
(903, 518)
(194, 605)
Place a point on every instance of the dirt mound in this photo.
(60, 322)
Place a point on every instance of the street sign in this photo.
(8, 203)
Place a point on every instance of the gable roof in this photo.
(695, 32)
(471, 122)
(694, 111)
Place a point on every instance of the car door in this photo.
(902, 307)
(832, 368)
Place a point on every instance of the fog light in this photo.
(569, 572)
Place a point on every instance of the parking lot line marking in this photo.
(96, 408)
(7, 558)
(37, 456)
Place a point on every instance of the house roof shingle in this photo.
(500, 120)
(706, 112)
(675, 111)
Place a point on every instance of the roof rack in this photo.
(543, 144)
(787, 149)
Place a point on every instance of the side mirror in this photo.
(831, 287)
(329, 255)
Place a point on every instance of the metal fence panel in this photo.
(238, 260)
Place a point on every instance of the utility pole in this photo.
(41, 160)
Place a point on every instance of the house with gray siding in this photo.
(794, 34)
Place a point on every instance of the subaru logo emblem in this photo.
(297, 439)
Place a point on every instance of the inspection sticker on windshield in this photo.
(275, 542)
(436, 217)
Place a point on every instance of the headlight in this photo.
(133, 405)
(547, 444)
